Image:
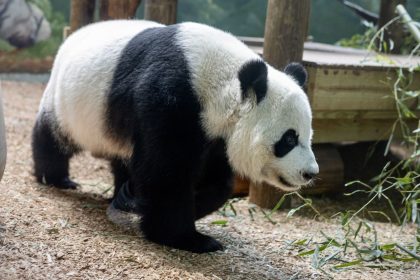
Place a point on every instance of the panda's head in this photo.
(271, 140)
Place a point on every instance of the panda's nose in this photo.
(308, 175)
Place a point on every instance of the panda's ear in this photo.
(297, 72)
(253, 75)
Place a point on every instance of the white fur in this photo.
(82, 74)
(251, 130)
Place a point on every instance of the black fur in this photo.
(298, 72)
(152, 104)
(253, 75)
(215, 180)
(287, 142)
(51, 159)
(121, 173)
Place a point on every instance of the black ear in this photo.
(297, 72)
(253, 75)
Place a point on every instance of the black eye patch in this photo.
(288, 141)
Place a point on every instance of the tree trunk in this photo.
(163, 11)
(286, 29)
(81, 13)
(394, 34)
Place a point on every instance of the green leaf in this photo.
(387, 247)
(300, 242)
(348, 264)
(222, 223)
(310, 252)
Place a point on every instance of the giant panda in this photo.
(177, 110)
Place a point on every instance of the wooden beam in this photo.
(163, 11)
(343, 130)
(286, 29)
(81, 13)
(393, 32)
(356, 89)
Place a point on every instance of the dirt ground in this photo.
(47, 233)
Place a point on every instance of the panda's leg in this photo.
(163, 165)
(121, 173)
(216, 181)
(51, 157)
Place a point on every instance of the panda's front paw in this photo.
(64, 183)
(196, 243)
(204, 244)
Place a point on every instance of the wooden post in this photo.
(286, 29)
(163, 11)
(115, 9)
(81, 13)
(118, 9)
(394, 31)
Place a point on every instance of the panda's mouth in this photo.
(284, 182)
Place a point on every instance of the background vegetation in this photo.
(329, 23)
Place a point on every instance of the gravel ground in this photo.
(47, 233)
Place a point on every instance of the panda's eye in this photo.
(288, 141)
(291, 140)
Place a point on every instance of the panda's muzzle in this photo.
(284, 181)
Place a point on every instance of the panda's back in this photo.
(103, 70)
(80, 80)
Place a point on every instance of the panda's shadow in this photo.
(220, 264)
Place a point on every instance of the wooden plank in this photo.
(356, 114)
(327, 56)
(344, 89)
(340, 130)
